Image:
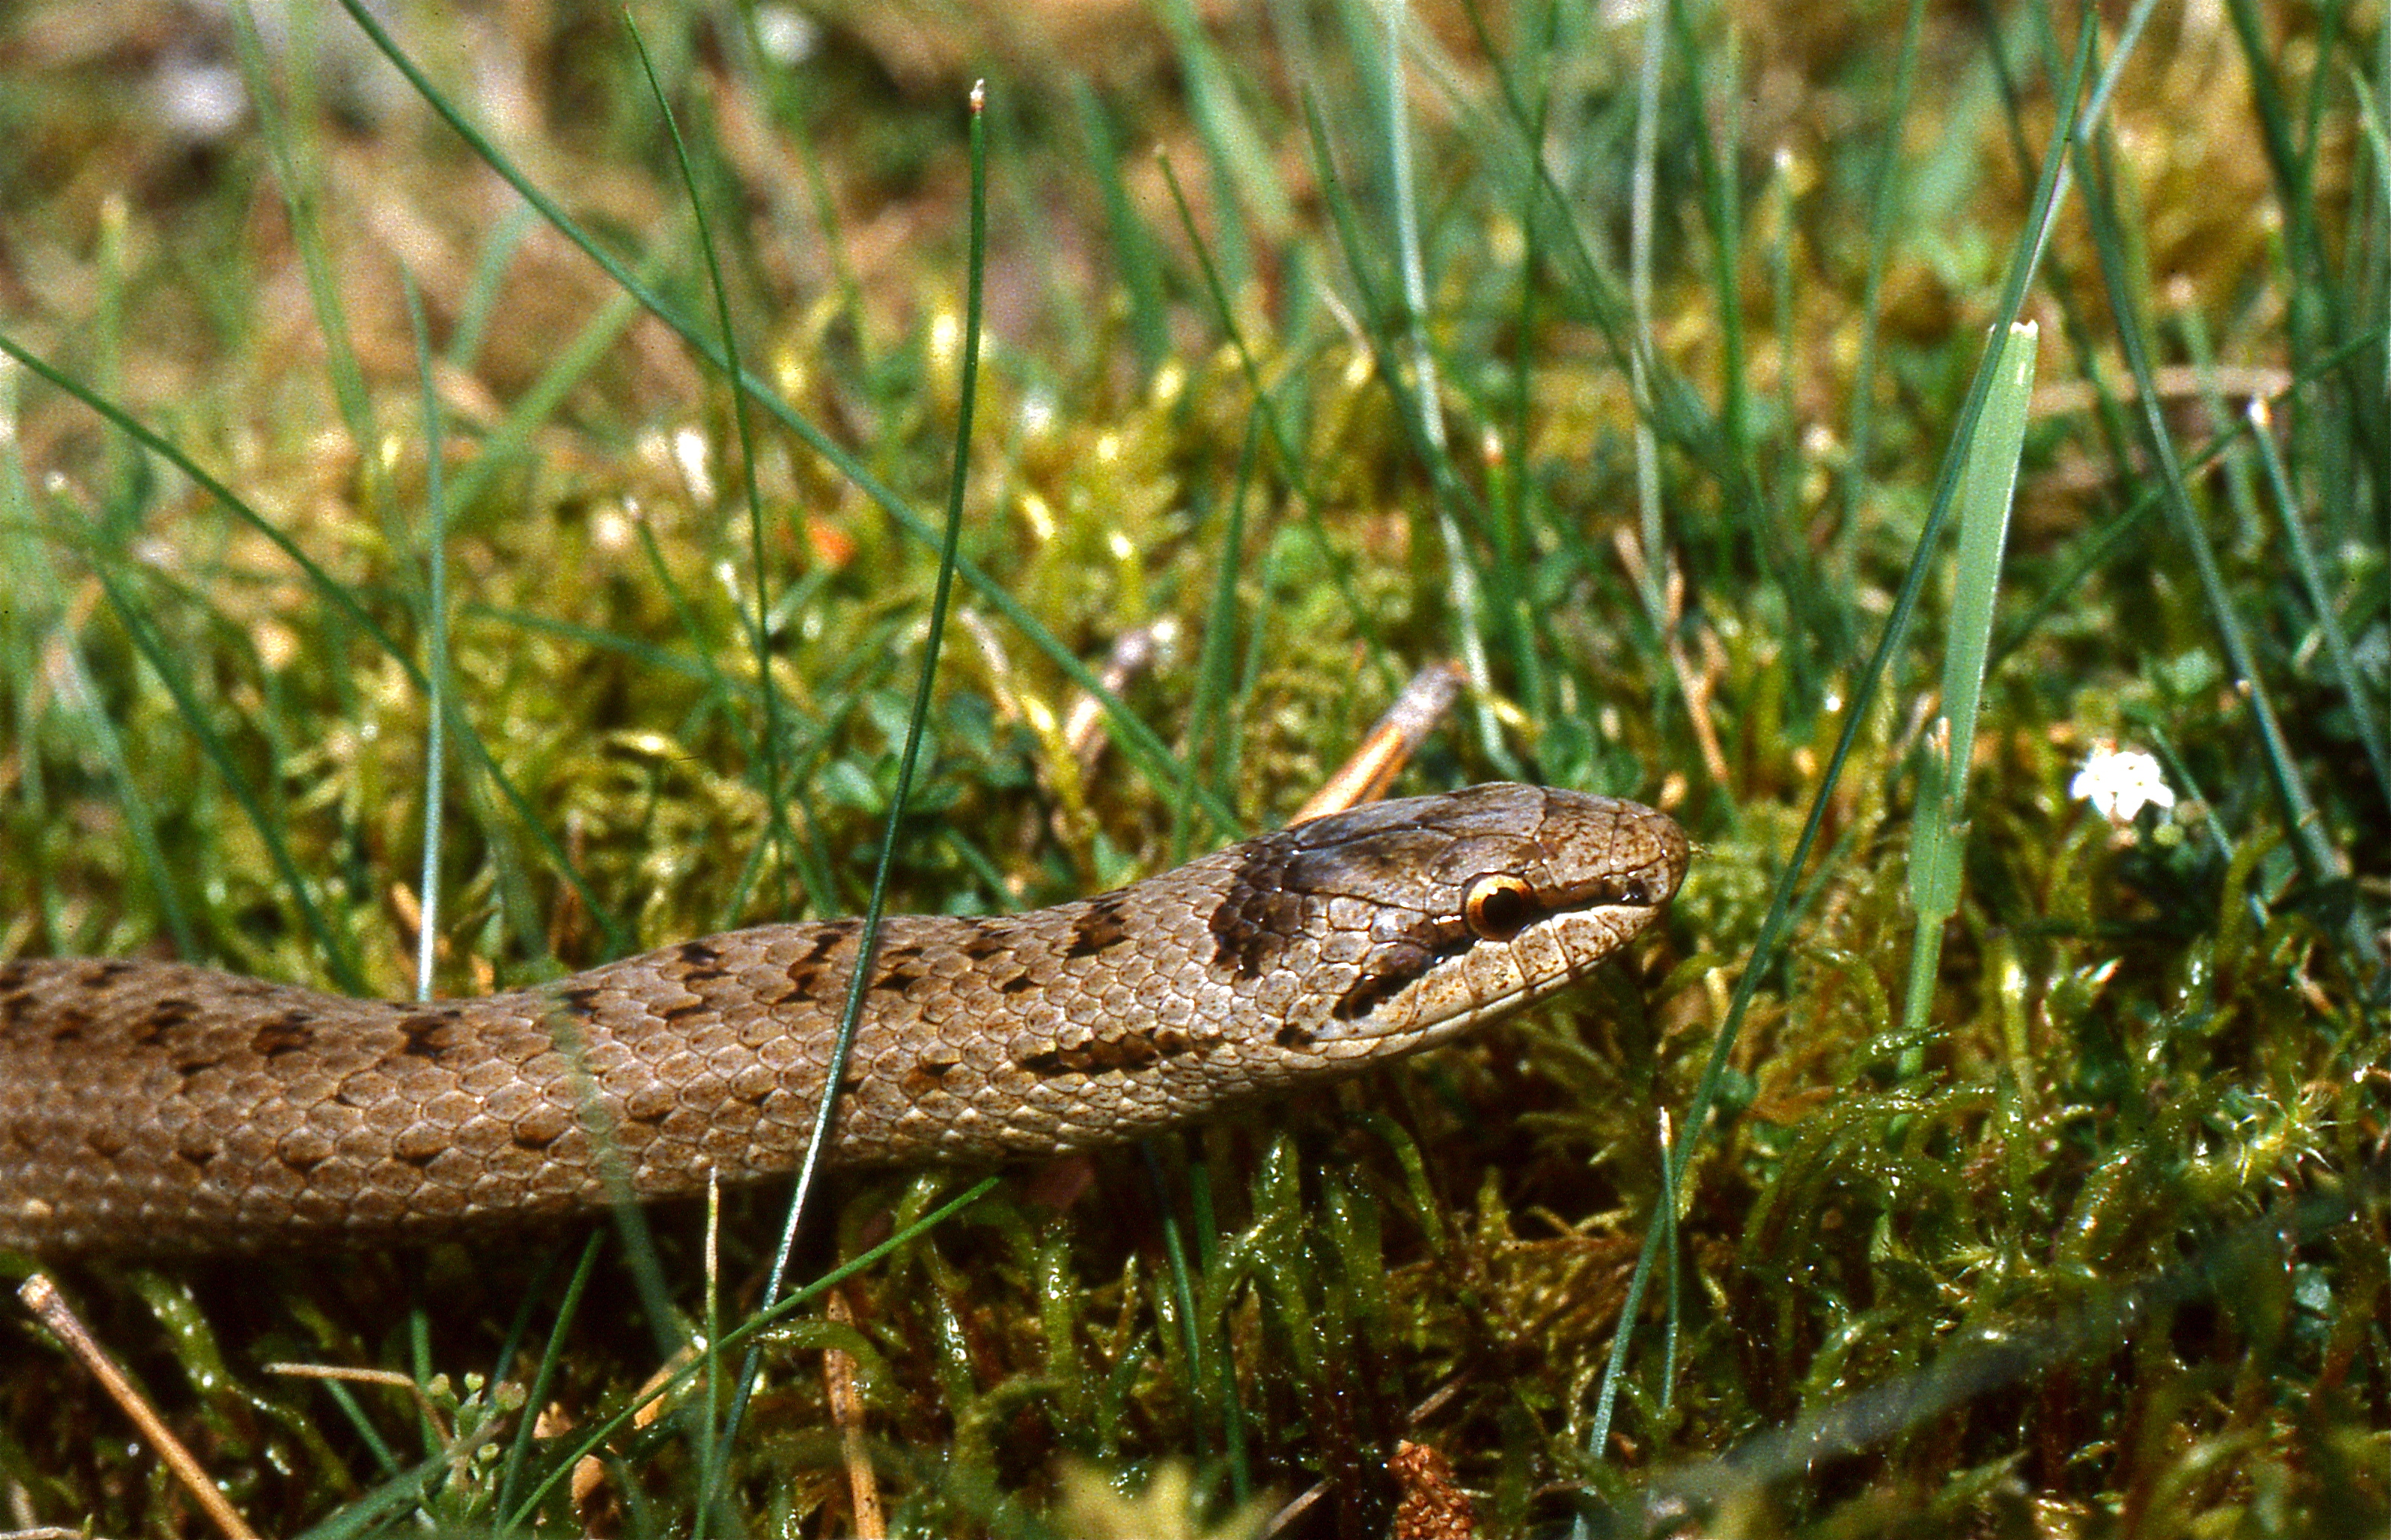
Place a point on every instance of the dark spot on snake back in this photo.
(287, 1033)
(928, 1075)
(70, 1023)
(826, 940)
(700, 954)
(99, 975)
(899, 980)
(804, 974)
(426, 1034)
(164, 1017)
(1096, 928)
(1133, 1051)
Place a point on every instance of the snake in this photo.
(158, 1108)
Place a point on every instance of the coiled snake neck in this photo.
(163, 1108)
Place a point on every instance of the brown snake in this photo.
(159, 1107)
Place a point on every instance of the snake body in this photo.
(158, 1108)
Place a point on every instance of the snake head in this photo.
(1402, 923)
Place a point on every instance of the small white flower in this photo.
(784, 35)
(690, 453)
(2120, 782)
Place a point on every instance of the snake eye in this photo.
(1497, 907)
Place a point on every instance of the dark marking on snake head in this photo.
(988, 942)
(899, 980)
(683, 1010)
(1400, 963)
(1365, 996)
(1098, 927)
(1258, 918)
(1292, 1036)
(581, 1000)
(1015, 984)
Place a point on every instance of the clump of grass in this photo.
(2078, 1230)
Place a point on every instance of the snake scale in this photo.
(160, 1108)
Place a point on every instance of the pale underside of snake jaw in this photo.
(164, 1109)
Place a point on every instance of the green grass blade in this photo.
(1938, 836)
(2347, 674)
(435, 663)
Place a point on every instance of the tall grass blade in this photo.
(1938, 836)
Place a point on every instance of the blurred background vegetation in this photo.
(1619, 352)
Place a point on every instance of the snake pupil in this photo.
(1498, 908)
